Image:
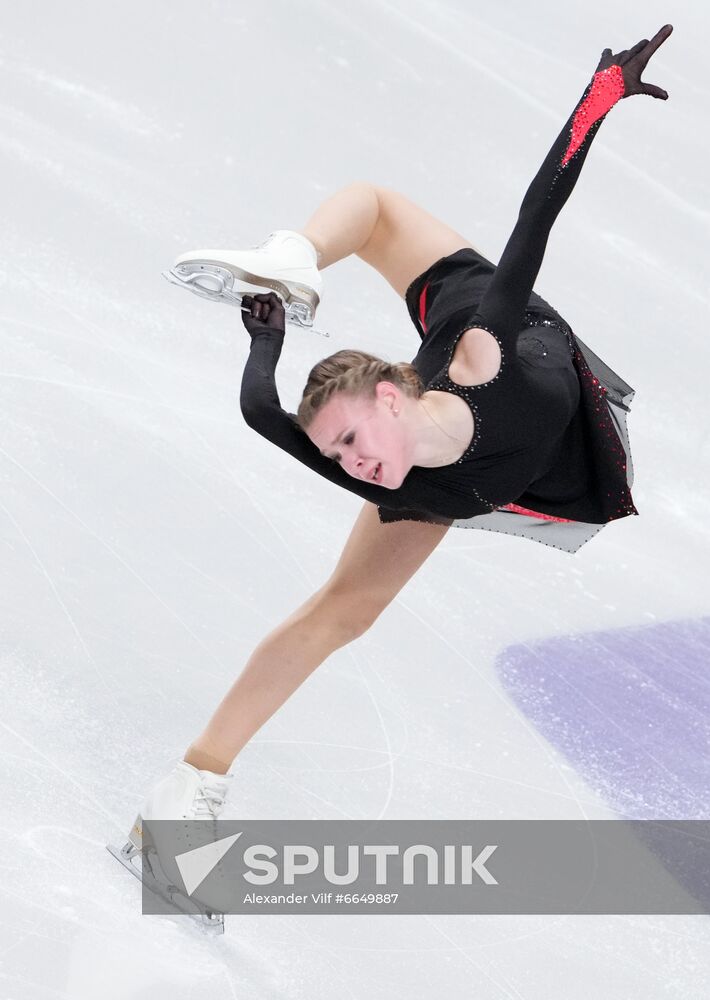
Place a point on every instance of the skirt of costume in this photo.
(455, 284)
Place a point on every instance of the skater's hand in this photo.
(263, 312)
(633, 63)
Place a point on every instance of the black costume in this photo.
(549, 458)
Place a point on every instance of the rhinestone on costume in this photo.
(606, 89)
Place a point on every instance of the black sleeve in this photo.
(261, 407)
(503, 305)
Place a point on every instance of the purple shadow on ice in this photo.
(630, 708)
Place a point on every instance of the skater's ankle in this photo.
(205, 762)
(316, 247)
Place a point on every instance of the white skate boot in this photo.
(286, 263)
(185, 793)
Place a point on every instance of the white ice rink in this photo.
(150, 539)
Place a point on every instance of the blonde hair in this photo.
(353, 373)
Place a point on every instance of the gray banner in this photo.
(427, 866)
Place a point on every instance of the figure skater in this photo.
(504, 419)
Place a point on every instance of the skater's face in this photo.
(366, 436)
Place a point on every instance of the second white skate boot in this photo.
(185, 793)
(286, 263)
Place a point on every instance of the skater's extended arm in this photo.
(503, 306)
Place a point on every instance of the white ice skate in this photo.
(286, 263)
(185, 793)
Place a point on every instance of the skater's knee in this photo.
(346, 612)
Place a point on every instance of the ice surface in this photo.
(150, 539)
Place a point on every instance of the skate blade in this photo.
(131, 859)
(226, 284)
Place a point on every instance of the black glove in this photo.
(263, 313)
(633, 63)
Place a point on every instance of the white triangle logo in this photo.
(196, 865)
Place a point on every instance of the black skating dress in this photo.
(549, 459)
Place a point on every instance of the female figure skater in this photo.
(504, 419)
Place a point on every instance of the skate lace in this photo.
(265, 243)
(210, 799)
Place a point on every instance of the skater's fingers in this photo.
(649, 48)
(264, 309)
(269, 297)
(657, 40)
(653, 91)
(638, 47)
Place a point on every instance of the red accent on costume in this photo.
(535, 513)
(422, 306)
(607, 89)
